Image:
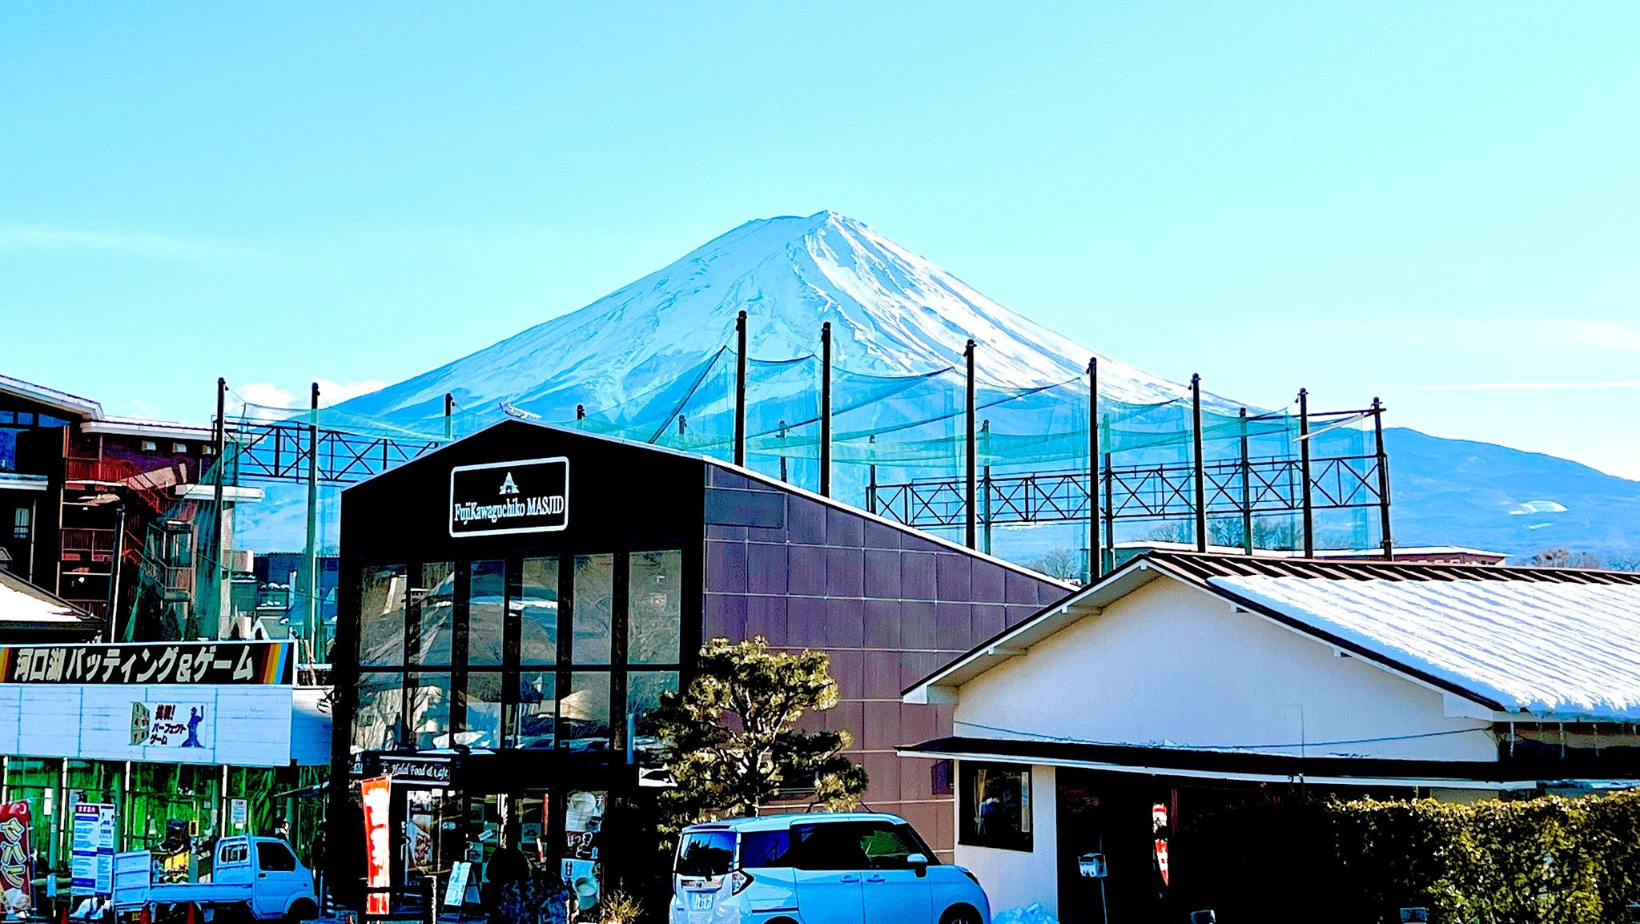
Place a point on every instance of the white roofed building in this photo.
(1183, 682)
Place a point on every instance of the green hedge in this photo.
(1549, 860)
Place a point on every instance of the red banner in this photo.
(378, 847)
(16, 849)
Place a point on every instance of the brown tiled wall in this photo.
(890, 606)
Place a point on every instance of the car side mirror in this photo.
(918, 862)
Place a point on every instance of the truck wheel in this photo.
(960, 914)
(301, 910)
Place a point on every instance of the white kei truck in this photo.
(251, 877)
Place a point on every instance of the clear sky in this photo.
(1423, 201)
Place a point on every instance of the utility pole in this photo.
(311, 560)
(1200, 472)
(825, 409)
(740, 390)
(1304, 470)
(972, 512)
(1383, 480)
(219, 565)
(1096, 555)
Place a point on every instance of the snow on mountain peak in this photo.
(892, 312)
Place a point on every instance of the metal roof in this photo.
(1224, 575)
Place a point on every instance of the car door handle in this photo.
(849, 878)
(876, 879)
(261, 875)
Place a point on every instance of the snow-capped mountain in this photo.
(894, 312)
(891, 312)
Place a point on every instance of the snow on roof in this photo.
(23, 603)
(1567, 651)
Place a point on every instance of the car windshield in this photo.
(707, 854)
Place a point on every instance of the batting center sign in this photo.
(503, 498)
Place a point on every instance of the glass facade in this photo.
(528, 653)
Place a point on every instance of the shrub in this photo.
(1550, 860)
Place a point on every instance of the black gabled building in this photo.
(513, 604)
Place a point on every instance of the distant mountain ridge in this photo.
(893, 311)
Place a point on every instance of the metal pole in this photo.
(972, 512)
(871, 484)
(221, 440)
(1110, 515)
(740, 390)
(1096, 555)
(449, 420)
(1383, 480)
(311, 619)
(825, 409)
(1246, 490)
(1304, 470)
(1200, 464)
(114, 572)
(985, 490)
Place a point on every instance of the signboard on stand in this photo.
(16, 848)
(378, 846)
(239, 812)
(92, 855)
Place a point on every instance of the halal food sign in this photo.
(501, 498)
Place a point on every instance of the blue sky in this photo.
(1418, 201)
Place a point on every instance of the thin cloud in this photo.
(136, 243)
(1518, 386)
(1613, 334)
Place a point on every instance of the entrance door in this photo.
(1082, 899)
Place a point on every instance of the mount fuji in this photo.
(891, 311)
(894, 312)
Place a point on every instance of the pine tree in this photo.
(735, 742)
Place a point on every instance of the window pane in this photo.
(486, 602)
(538, 612)
(483, 699)
(381, 616)
(594, 583)
(381, 702)
(584, 713)
(656, 602)
(643, 697)
(537, 710)
(995, 807)
(430, 711)
(436, 593)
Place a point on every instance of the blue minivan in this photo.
(845, 868)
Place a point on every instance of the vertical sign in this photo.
(378, 848)
(91, 861)
(106, 842)
(16, 848)
(239, 812)
(83, 855)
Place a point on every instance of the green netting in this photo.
(886, 428)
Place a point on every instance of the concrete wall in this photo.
(244, 726)
(1018, 878)
(1169, 663)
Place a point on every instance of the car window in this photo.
(274, 858)
(765, 848)
(706, 854)
(828, 845)
(234, 853)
